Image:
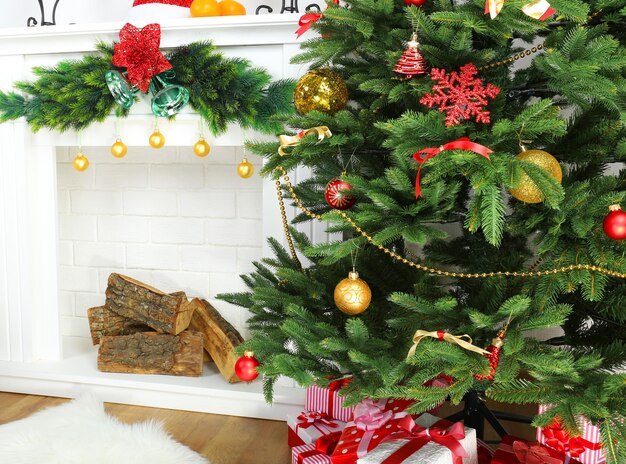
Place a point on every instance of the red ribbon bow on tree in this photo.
(138, 52)
(419, 436)
(533, 454)
(560, 440)
(460, 144)
(308, 418)
(307, 20)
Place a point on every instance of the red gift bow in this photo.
(420, 436)
(325, 444)
(533, 454)
(307, 20)
(560, 440)
(339, 384)
(463, 143)
(308, 419)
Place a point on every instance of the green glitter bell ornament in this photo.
(122, 90)
(321, 90)
(167, 98)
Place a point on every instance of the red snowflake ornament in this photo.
(461, 96)
(138, 52)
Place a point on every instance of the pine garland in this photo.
(73, 94)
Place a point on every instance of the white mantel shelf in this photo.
(223, 31)
(34, 358)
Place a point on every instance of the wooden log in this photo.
(133, 299)
(103, 321)
(220, 338)
(152, 353)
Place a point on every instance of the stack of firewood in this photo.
(142, 330)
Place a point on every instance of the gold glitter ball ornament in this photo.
(321, 90)
(156, 140)
(245, 169)
(119, 149)
(528, 192)
(201, 148)
(81, 163)
(352, 295)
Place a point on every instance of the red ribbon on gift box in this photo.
(315, 419)
(420, 436)
(560, 440)
(324, 445)
(460, 144)
(334, 387)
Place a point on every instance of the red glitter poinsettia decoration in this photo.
(138, 52)
(461, 96)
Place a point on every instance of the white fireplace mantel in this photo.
(31, 357)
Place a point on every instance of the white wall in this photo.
(165, 217)
(17, 12)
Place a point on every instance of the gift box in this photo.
(587, 448)
(308, 426)
(316, 453)
(427, 440)
(485, 452)
(373, 421)
(328, 400)
(514, 450)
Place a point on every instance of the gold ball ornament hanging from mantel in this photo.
(527, 191)
(156, 140)
(353, 295)
(201, 148)
(119, 149)
(81, 163)
(245, 169)
(321, 90)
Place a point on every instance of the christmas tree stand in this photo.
(475, 412)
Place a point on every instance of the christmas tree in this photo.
(517, 139)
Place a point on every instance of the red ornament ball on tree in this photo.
(615, 223)
(245, 367)
(415, 2)
(337, 197)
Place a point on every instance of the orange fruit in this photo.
(231, 8)
(204, 8)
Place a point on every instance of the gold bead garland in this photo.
(421, 267)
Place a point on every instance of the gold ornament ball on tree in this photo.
(352, 295)
(81, 163)
(528, 192)
(245, 169)
(321, 90)
(156, 140)
(119, 149)
(201, 148)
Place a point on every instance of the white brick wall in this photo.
(165, 217)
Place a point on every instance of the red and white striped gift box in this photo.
(328, 401)
(308, 454)
(593, 454)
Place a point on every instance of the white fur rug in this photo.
(80, 432)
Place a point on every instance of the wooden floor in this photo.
(222, 439)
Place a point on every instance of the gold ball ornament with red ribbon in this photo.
(320, 90)
(527, 191)
(614, 224)
(81, 163)
(336, 196)
(245, 367)
(156, 140)
(352, 295)
(201, 148)
(245, 169)
(119, 149)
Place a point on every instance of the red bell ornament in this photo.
(245, 367)
(336, 196)
(615, 223)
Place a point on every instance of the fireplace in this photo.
(163, 216)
